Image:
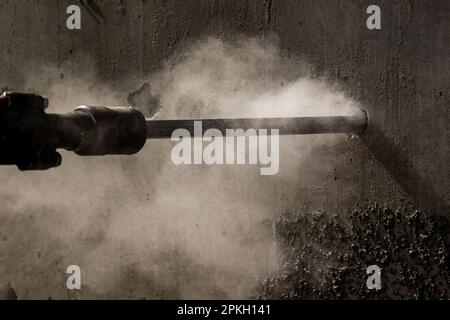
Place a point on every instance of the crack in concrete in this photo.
(269, 13)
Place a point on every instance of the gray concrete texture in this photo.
(400, 74)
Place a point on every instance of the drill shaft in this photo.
(163, 129)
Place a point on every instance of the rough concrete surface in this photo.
(400, 75)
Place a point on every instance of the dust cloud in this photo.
(141, 227)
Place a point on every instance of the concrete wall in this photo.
(401, 74)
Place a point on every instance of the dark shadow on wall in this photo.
(410, 178)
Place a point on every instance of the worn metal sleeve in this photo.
(91, 131)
